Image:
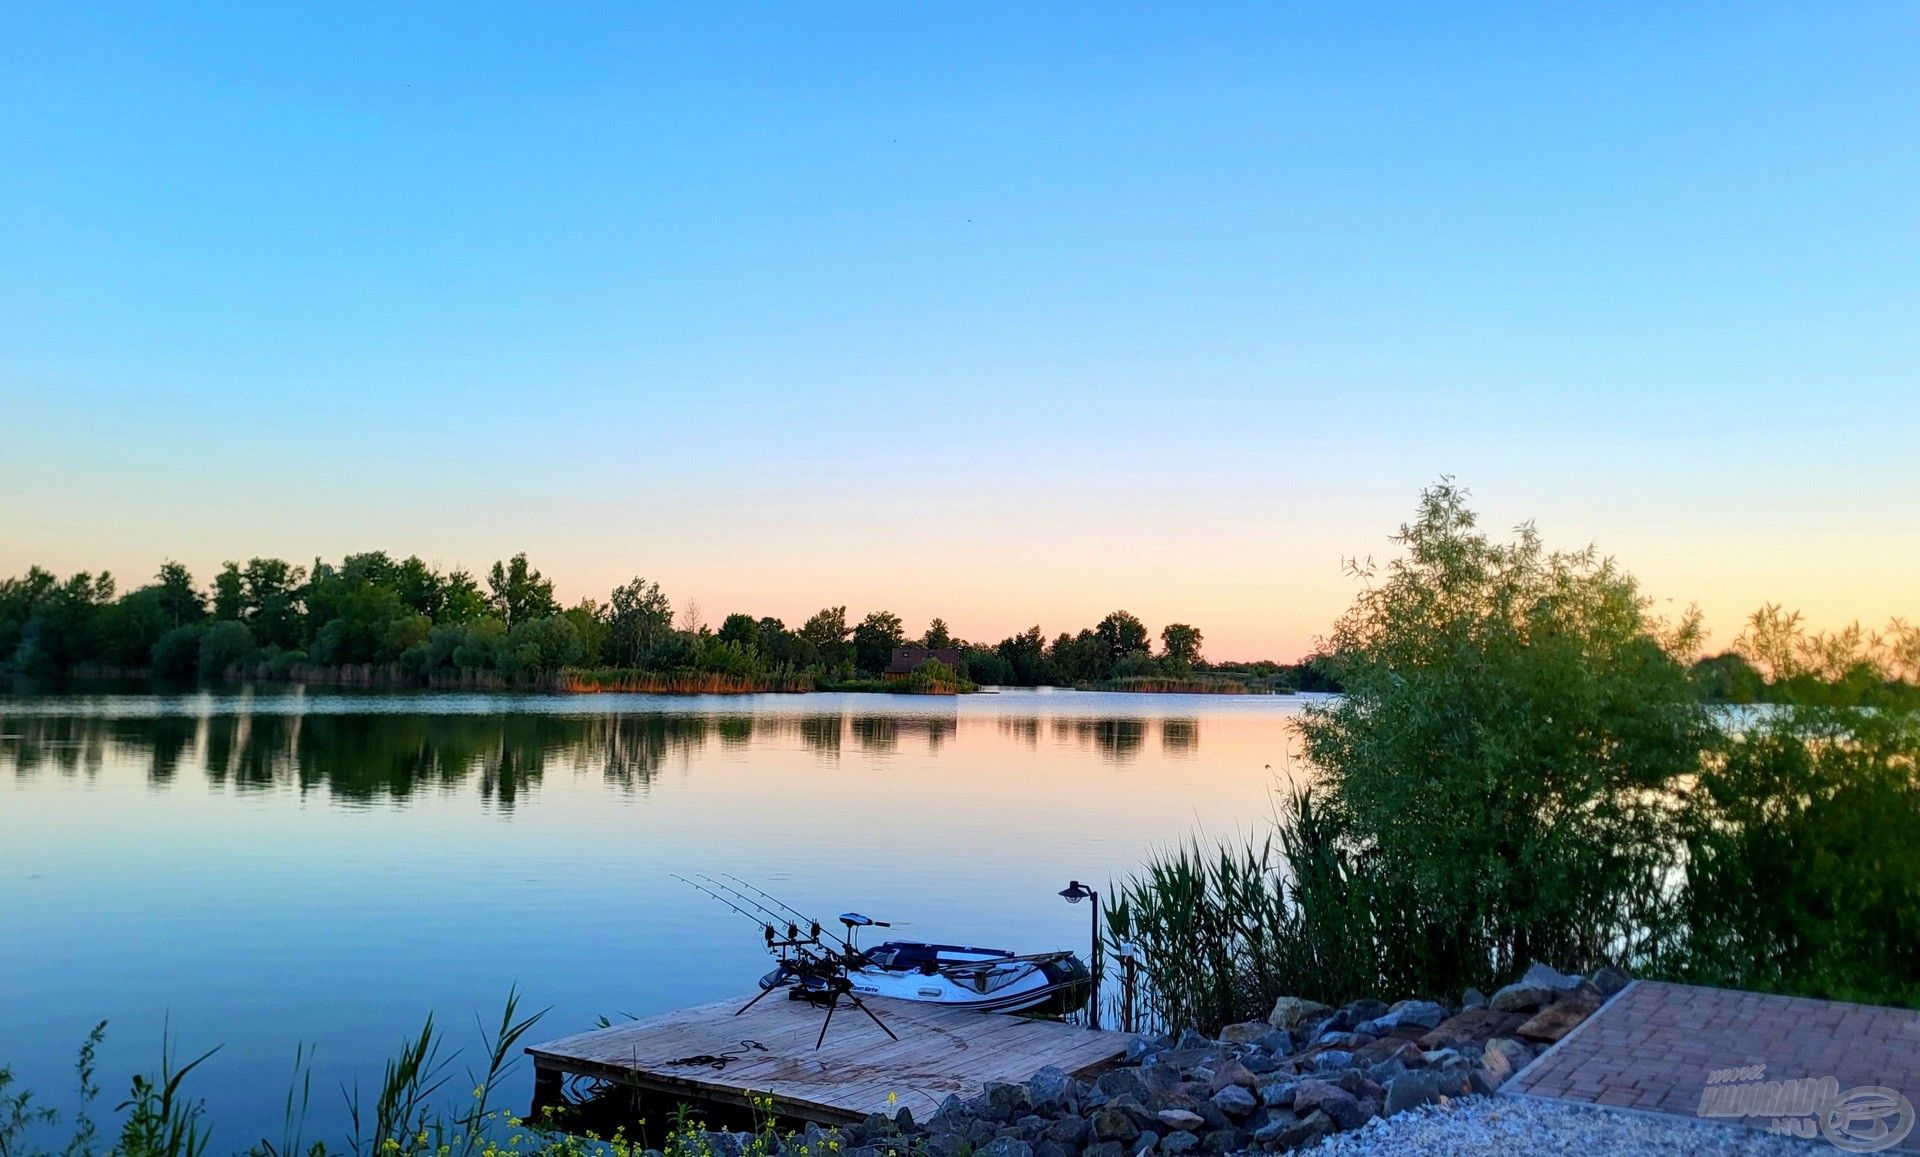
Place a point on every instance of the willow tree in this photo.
(1502, 769)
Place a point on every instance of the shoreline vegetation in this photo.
(1524, 765)
(374, 621)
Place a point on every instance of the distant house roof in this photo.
(906, 659)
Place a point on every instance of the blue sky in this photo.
(1005, 313)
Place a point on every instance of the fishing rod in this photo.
(768, 913)
(728, 901)
(778, 902)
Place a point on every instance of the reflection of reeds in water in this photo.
(1179, 736)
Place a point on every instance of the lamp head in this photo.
(1075, 892)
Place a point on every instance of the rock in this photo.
(1366, 1008)
(1608, 981)
(950, 1106)
(1105, 1149)
(1049, 1088)
(1551, 978)
(1233, 1073)
(1335, 1103)
(1257, 1061)
(1111, 1124)
(1070, 1133)
(1410, 1089)
(1142, 1117)
(1234, 1101)
(903, 1120)
(938, 1145)
(1267, 1135)
(1178, 1143)
(1331, 1059)
(1190, 1039)
(1558, 1019)
(1522, 997)
(1139, 1048)
(1503, 1058)
(1124, 1083)
(1473, 998)
(1289, 1011)
(1474, 1024)
(1144, 1143)
(1007, 1147)
(1306, 1131)
(1051, 1149)
(1245, 1034)
(1278, 1094)
(1423, 1014)
(1224, 1141)
(1277, 1041)
(1343, 1040)
(1005, 1101)
(1180, 1119)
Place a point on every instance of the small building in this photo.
(906, 660)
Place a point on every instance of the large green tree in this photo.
(1503, 761)
(1180, 645)
(874, 640)
(519, 592)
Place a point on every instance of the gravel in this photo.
(1514, 1125)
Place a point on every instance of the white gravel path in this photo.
(1507, 1126)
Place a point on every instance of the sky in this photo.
(1011, 314)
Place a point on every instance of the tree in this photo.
(126, 630)
(461, 600)
(1514, 727)
(225, 644)
(1026, 656)
(178, 599)
(1181, 645)
(541, 646)
(874, 640)
(60, 630)
(639, 615)
(827, 632)
(1120, 634)
(937, 637)
(589, 621)
(519, 592)
(1081, 658)
(273, 606)
(229, 592)
(740, 630)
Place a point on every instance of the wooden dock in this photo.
(940, 1051)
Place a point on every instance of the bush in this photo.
(225, 644)
(1804, 875)
(1496, 787)
(177, 654)
(1512, 723)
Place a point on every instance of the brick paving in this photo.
(1652, 1047)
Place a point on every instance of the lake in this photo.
(259, 870)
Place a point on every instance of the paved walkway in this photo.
(1657, 1047)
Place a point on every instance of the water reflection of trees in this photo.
(371, 757)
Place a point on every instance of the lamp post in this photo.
(1073, 893)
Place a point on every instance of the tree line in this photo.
(272, 617)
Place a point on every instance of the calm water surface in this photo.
(261, 870)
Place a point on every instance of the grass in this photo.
(411, 1114)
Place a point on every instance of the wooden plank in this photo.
(939, 1051)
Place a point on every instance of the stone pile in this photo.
(1304, 1073)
